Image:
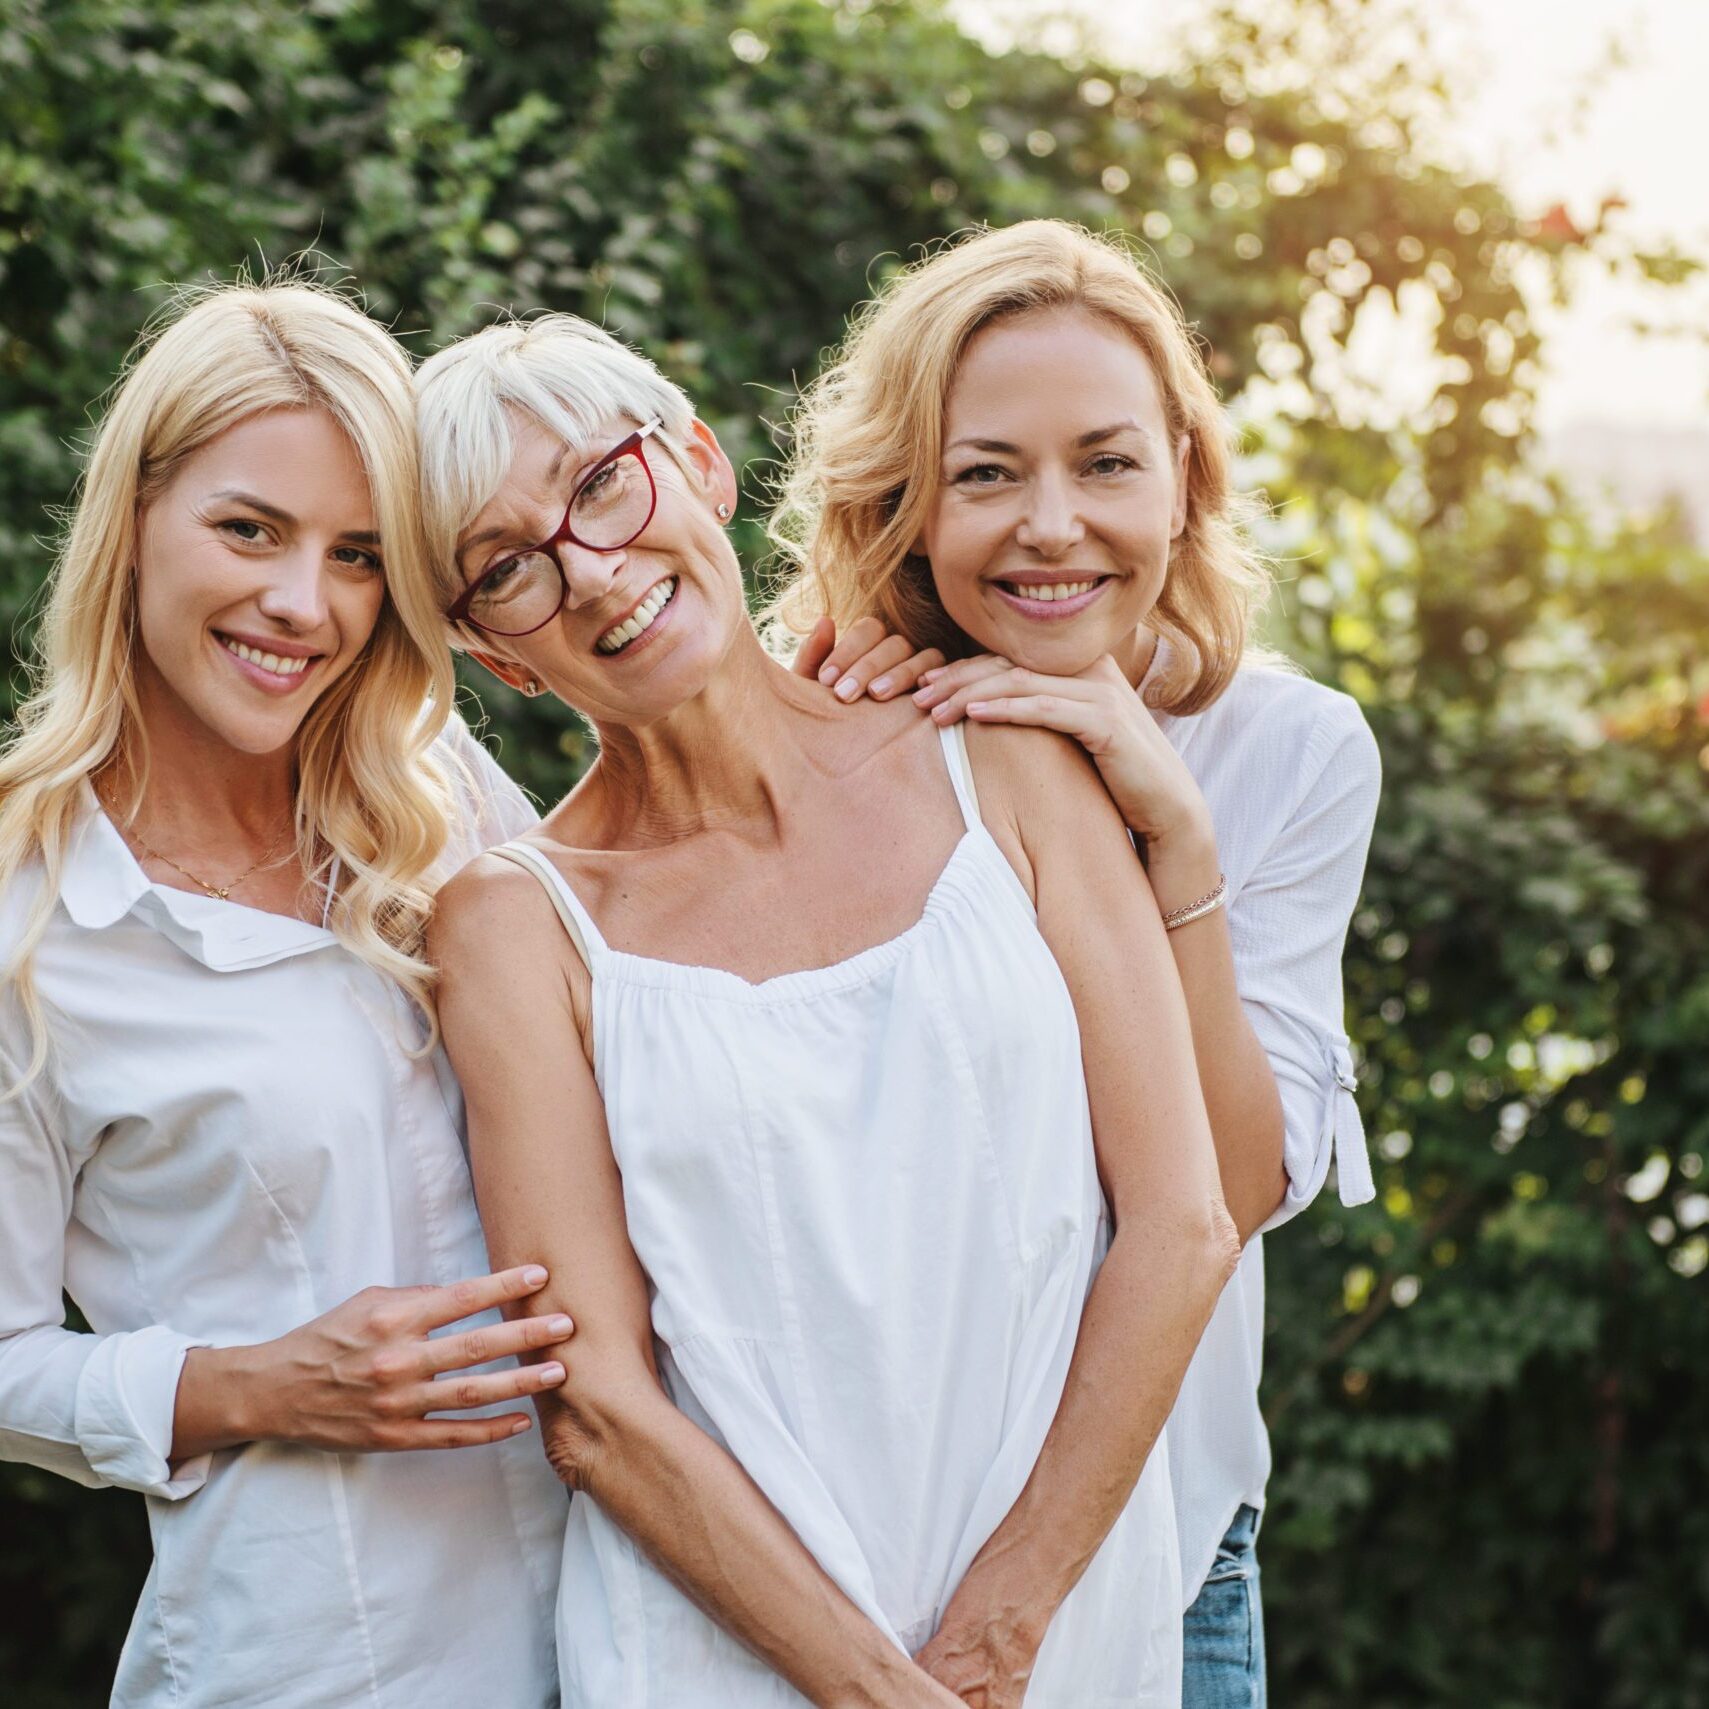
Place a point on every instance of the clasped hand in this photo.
(985, 1663)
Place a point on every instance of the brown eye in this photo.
(357, 559)
(600, 485)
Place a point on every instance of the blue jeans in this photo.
(1224, 1636)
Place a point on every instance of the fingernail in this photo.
(940, 713)
(848, 688)
(560, 1325)
(881, 685)
(827, 673)
(519, 1426)
(534, 1275)
(552, 1374)
(923, 696)
(974, 707)
(933, 674)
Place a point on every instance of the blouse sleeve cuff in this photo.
(126, 1397)
(1329, 1130)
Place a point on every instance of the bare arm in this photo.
(1173, 1245)
(1235, 1075)
(1161, 802)
(548, 1186)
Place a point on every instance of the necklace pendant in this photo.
(219, 895)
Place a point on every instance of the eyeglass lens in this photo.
(608, 511)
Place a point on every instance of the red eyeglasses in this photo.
(611, 505)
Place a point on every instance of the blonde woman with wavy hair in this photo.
(224, 1128)
(1017, 460)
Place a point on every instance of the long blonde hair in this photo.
(868, 440)
(370, 796)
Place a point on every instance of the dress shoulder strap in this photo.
(584, 934)
(954, 740)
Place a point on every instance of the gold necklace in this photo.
(219, 892)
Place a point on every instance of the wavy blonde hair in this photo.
(370, 795)
(868, 441)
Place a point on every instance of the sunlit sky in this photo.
(1563, 101)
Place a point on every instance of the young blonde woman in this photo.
(221, 1128)
(1017, 460)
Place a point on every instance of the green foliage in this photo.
(1484, 1493)
(1519, 1324)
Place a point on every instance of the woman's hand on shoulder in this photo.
(867, 660)
(1148, 781)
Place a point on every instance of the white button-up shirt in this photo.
(1291, 774)
(230, 1139)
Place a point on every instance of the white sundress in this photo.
(866, 1200)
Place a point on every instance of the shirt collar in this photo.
(102, 883)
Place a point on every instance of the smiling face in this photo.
(1059, 494)
(259, 580)
(640, 629)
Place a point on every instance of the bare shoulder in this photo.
(1046, 807)
(1036, 776)
(492, 914)
(874, 731)
(488, 886)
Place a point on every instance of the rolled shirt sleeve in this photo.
(97, 1409)
(1288, 927)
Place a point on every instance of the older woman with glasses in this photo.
(885, 1246)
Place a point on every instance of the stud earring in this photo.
(531, 688)
(723, 512)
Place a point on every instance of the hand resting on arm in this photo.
(365, 1375)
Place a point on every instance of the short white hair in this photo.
(569, 375)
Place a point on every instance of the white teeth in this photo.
(279, 665)
(616, 638)
(1049, 592)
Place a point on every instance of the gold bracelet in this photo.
(1206, 904)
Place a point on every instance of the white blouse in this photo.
(1291, 774)
(230, 1139)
